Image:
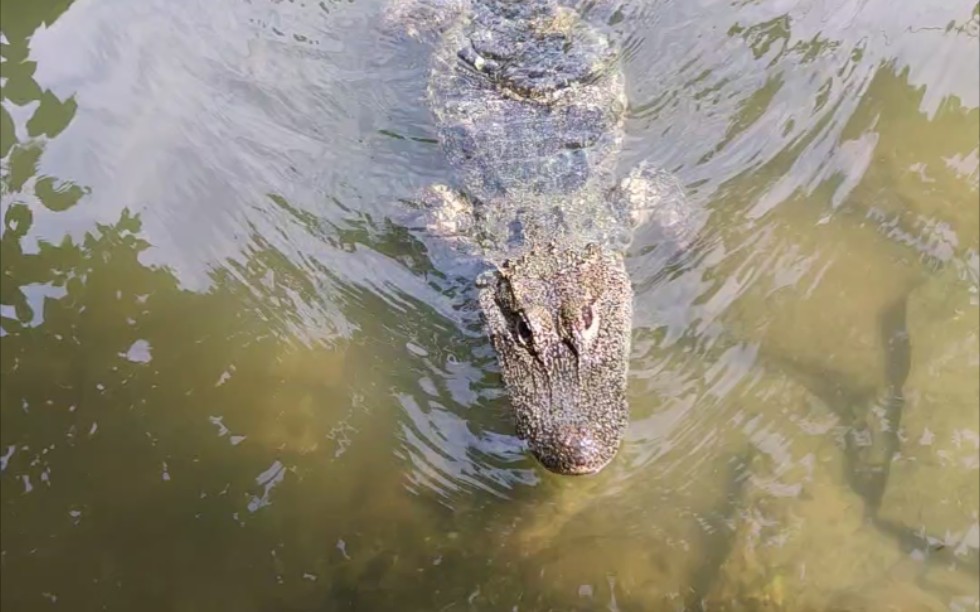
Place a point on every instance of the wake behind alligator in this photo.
(529, 101)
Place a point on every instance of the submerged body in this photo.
(529, 102)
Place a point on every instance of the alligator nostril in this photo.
(578, 449)
(574, 450)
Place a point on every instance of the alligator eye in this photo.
(523, 332)
(589, 322)
(587, 319)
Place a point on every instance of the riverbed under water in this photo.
(230, 381)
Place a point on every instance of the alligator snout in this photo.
(574, 450)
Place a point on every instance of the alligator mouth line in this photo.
(585, 470)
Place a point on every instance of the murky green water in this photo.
(229, 382)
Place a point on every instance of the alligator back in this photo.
(529, 103)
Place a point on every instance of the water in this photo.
(229, 381)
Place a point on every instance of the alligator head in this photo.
(559, 320)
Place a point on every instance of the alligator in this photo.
(529, 101)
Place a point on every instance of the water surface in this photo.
(231, 380)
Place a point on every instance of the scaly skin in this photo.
(529, 101)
